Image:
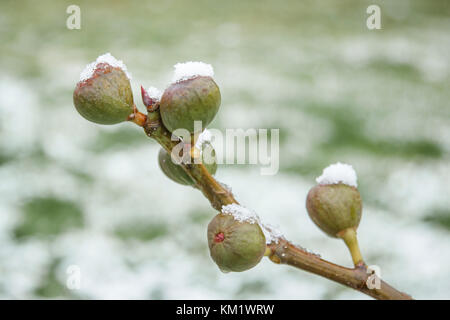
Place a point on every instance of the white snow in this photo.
(190, 69)
(338, 173)
(203, 138)
(105, 58)
(271, 233)
(243, 214)
(240, 213)
(154, 93)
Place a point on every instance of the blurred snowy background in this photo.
(76, 193)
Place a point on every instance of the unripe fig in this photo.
(334, 207)
(234, 245)
(106, 96)
(186, 101)
(176, 173)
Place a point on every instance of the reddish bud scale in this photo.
(149, 102)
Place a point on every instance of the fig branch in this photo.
(237, 239)
(217, 195)
(281, 251)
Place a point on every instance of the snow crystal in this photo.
(190, 69)
(306, 250)
(154, 93)
(203, 138)
(243, 214)
(240, 213)
(105, 58)
(271, 233)
(338, 173)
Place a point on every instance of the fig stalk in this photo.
(351, 241)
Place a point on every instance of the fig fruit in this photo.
(106, 96)
(234, 245)
(186, 101)
(334, 207)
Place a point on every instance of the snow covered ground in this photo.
(73, 193)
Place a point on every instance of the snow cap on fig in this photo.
(192, 96)
(235, 245)
(338, 173)
(103, 94)
(335, 205)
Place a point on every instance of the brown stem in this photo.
(217, 194)
(282, 252)
(285, 252)
(137, 117)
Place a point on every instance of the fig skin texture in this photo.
(334, 207)
(186, 101)
(106, 97)
(176, 173)
(234, 245)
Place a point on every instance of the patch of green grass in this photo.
(348, 132)
(398, 69)
(5, 158)
(333, 292)
(157, 294)
(50, 286)
(118, 139)
(252, 287)
(48, 216)
(440, 218)
(311, 166)
(80, 175)
(201, 217)
(421, 147)
(38, 155)
(142, 231)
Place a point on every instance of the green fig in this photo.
(234, 245)
(106, 96)
(176, 173)
(186, 101)
(334, 207)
